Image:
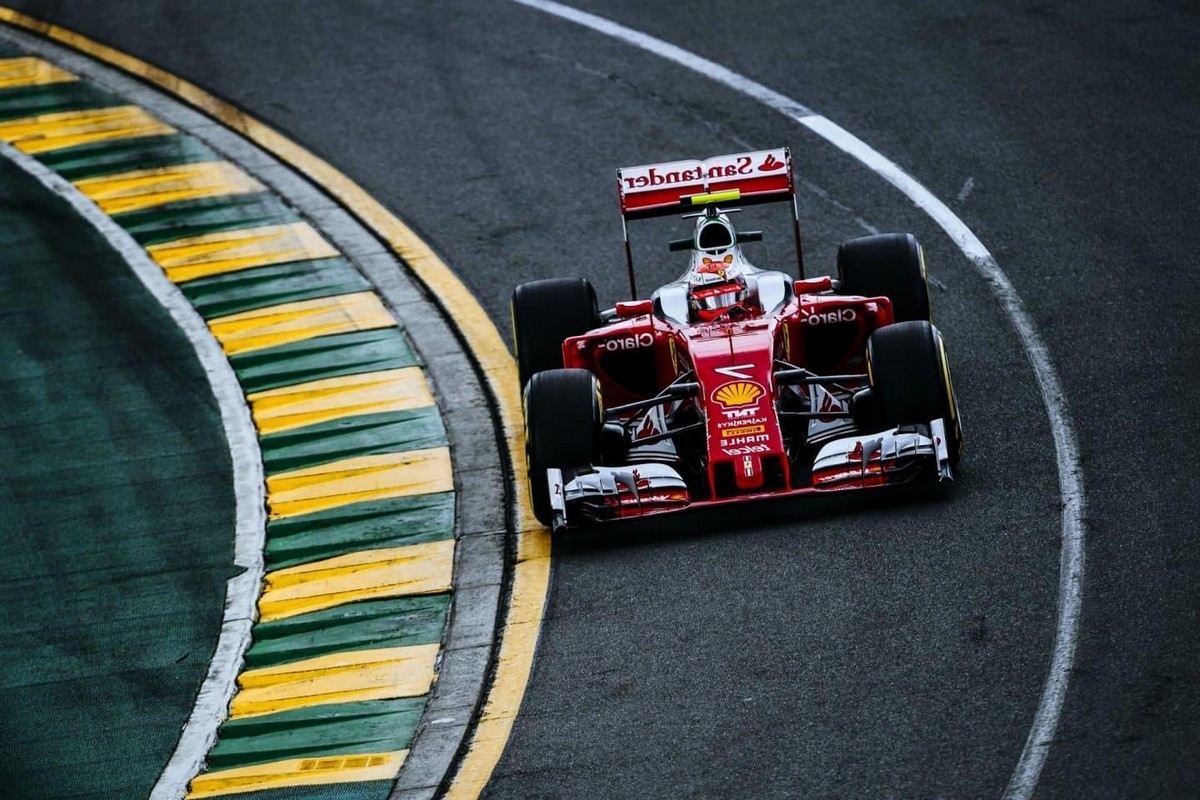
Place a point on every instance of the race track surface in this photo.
(893, 649)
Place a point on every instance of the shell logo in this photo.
(739, 393)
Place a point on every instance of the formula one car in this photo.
(732, 383)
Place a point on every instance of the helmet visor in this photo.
(722, 298)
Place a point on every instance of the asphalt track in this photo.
(867, 650)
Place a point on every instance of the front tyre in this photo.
(910, 379)
(890, 265)
(564, 418)
(544, 314)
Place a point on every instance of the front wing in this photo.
(904, 455)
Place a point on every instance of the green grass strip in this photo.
(365, 625)
(323, 357)
(126, 155)
(247, 289)
(52, 98)
(188, 218)
(375, 726)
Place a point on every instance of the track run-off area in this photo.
(931, 646)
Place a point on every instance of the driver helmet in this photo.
(715, 288)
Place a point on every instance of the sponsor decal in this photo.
(747, 450)
(740, 416)
(738, 393)
(744, 430)
(635, 342)
(756, 438)
(672, 174)
(666, 175)
(771, 163)
(828, 317)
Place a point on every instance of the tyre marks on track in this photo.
(359, 488)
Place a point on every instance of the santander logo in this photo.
(771, 164)
(696, 174)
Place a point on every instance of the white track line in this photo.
(242, 591)
(1070, 476)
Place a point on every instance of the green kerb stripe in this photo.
(366, 625)
(52, 98)
(323, 357)
(373, 726)
(126, 155)
(233, 292)
(189, 218)
(353, 437)
(394, 522)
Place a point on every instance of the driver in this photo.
(717, 287)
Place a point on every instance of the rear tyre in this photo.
(564, 419)
(891, 265)
(546, 312)
(910, 379)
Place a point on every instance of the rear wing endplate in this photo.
(738, 179)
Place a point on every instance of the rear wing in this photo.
(739, 179)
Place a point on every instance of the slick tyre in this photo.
(910, 379)
(546, 312)
(564, 418)
(891, 265)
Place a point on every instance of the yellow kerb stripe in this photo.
(304, 404)
(245, 248)
(355, 480)
(30, 71)
(71, 128)
(146, 188)
(372, 574)
(295, 322)
(380, 674)
(299, 772)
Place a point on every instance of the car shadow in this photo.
(743, 519)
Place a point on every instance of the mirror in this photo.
(634, 308)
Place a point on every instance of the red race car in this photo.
(732, 383)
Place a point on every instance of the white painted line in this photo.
(241, 592)
(1070, 475)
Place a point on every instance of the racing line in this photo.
(1070, 476)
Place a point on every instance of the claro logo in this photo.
(829, 317)
(628, 342)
